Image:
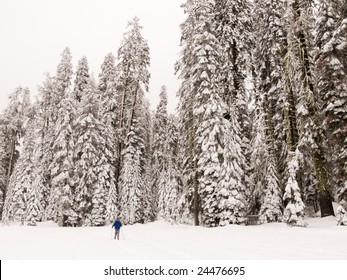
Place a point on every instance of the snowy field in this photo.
(322, 239)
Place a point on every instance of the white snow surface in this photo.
(322, 239)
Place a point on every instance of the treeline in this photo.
(261, 125)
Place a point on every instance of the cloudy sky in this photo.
(33, 33)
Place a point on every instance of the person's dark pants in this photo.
(116, 234)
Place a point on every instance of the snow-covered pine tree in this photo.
(189, 202)
(331, 75)
(12, 128)
(54, 91)
(95, 185)
(108, 114)
(34, 206)
(208, 110)
(294, 211)
(172, 174)
(270, 154)
(232, 28)
(310, 133)
(149, 198)
(232, 189)
(81, 80)
(271, 208)
(270, 38)
(258, 160)
(63, 77)
(131, 182)
(108, 72)
(132, 80)
(158, 160)
(44, 115)
(19, 205)
(265, 184)
(161, 203)
(62, 168)
(210, 47)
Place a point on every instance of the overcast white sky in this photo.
(33, 34)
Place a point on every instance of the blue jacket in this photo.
(117, 224)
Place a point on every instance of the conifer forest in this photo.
(260, 127)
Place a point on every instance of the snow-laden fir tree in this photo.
(146, 133)
(107, 73)
(270, 37)
(232, 189)
(34, 201)
(45, 124)
(169, 180)
(108, 96)
(61, 204)
(131, 183)
(20, 206)
(294, 210)
(53, 92)
(108, 114)
(210, 46)
(132, 80)
(189, 207)
(266, 189)
(258, 161)
(311, 142)
(82, 78)
(94, 168)
(271, 208)
(159, 154)
(208, 110)
(195, 60)
(12, 128)
(331, 75)
(63, 76)
(232, 28)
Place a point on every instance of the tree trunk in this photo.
(318, 153)
(193, 167)
(324, 193)
(119, 148)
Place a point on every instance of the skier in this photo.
(117, 225)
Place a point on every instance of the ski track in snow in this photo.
(160, 240)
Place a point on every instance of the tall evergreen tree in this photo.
(269, 157)
(82, 78)
(132, 81)
(94, 169)
(131, 179)
(158, 162)
(34, 200)
(108, 72)
(56, 97)
(61, 201)
(208, 111)
(44, 116)
(12, 129)
(331, 75)
(310, 133)
(294, 211)
(189, 203)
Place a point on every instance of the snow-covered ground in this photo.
(322, 239)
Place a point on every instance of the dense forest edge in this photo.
(260, 128)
